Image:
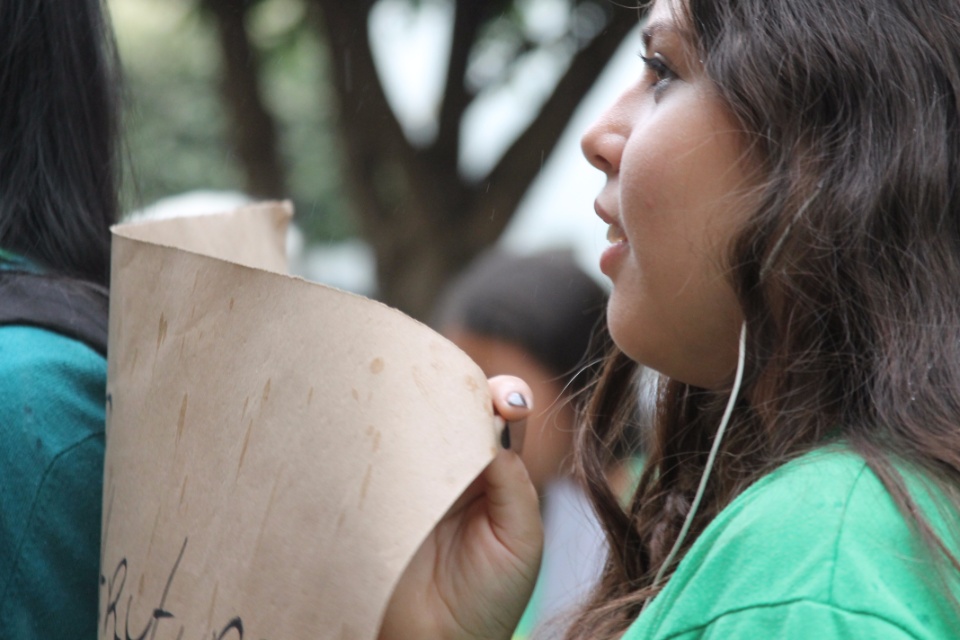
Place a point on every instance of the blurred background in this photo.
(410, 134)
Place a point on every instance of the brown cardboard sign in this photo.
(276, 449)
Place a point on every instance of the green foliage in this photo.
(173, 121)
(176, 125)
(293, 71)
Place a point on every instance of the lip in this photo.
(602, 213)
(611, 258)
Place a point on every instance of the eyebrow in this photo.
(654, 28)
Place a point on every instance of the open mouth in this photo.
(615, 234)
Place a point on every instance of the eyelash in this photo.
(661, 71)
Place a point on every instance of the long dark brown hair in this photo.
(59, 129)
(852, 110)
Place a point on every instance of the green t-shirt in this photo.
(816, 549)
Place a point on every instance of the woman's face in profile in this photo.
(674, 196)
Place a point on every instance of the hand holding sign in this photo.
(277, 450)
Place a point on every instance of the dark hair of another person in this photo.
(58, 131)
(851, 108)
(543, 303)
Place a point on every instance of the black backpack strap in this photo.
(71, 307)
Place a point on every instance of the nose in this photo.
(603, 142)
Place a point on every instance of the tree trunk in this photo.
(253, 131)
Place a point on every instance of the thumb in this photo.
(513, 507)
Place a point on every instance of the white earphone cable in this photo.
(705, 476)
(731, 401)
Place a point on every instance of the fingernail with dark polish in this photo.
(505, 437)
(516, 399)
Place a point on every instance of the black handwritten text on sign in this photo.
(116, 605)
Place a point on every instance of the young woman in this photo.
(58, 197)
(784, 209)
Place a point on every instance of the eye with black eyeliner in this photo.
(662, 73)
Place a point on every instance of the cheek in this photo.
(672, 307)
(645, 176)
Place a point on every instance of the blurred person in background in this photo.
(58, 198)
(540, 317)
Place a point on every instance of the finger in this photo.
(513, 401)
(512, 397)
(514, 509)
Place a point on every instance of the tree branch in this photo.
(523, 159)
(370, 130)
(468, 18)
